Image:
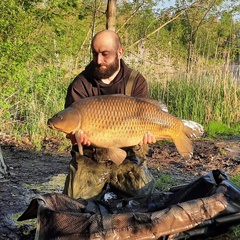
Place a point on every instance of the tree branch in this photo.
(131, 16)
(169, 21)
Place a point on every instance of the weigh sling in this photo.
(207, 206)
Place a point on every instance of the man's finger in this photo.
(81, 137)
(153, 139)
(150, 138)
(145, 138)
(85, 139)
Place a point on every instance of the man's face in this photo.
(106, 56)
(106, 63)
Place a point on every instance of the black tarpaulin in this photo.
(205, 207)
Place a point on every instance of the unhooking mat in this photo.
(205, 207)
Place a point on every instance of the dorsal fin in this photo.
(157, 103)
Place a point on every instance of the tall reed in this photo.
(26, 106)
(204, 98)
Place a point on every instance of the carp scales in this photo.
(117, 121)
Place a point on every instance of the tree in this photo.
(201, 22)
(111, 15)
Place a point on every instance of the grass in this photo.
(236, 179)
(164, 181)
(213, 101)
(26, 108)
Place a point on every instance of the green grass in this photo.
(28, 104)
(213, 101)
(236, 179)
(164, 181)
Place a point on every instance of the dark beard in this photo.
(106, 73)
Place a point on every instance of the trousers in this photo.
(88, 176)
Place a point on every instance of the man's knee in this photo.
(86, 178)
(131, 179)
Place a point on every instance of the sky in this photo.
(171, 3)
(166, 4)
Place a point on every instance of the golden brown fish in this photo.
(116, 121)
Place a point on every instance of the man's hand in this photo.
(83, 139)
(148, 138)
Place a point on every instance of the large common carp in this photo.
(116, 121)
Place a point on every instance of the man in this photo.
(91, 173)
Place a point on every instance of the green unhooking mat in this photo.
(205, 207)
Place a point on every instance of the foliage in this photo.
(44, 44)
(216, 129)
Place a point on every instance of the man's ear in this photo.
(120, 52)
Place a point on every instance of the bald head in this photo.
(107, 53)
(107, 38)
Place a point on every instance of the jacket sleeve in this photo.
(69, 98)
(75, 92)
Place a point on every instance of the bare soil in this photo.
(32, 172)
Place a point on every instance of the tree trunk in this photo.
(111, 15)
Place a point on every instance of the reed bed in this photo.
(210, 99)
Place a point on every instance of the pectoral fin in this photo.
(77, 136)
(117, 155)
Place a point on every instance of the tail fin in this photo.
(184, 145)
(193, 129)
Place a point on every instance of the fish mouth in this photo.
(50, 125)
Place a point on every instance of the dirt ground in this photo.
(33, 172)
